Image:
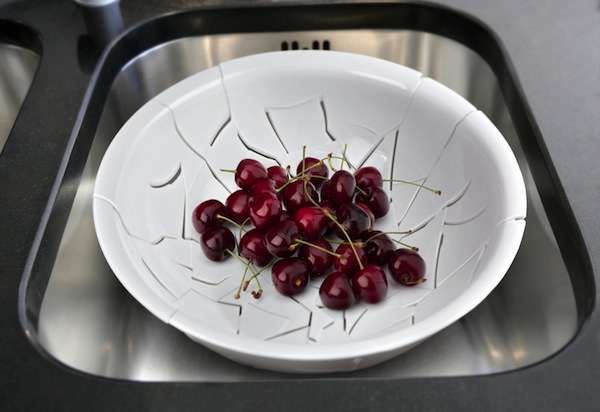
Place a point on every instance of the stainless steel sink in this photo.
(89, 322)
(17, 68)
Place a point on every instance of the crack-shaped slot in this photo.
(437, 260)
(184, 211)
(220, 130)
(208, 282)
(287, 332)
(393, 162)
(126, 229)
(356, 321)
(157, 279)
(189, 146)
(466, 220)
(237, 332)
(256, 151)
(270, 120)
(326, 120)
(183, 265)
(169, 180)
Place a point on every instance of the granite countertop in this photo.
(554, 48)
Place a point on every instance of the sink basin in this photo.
(17, 68)
(79, 315)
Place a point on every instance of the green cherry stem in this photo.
(227, 170)
(334, 220)
(233, 222)
(322, 249)
(408, 182)
(249, 266)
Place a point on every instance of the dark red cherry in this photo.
(319, 261)
(407, 267)
(336, 292)
(311, 222)
(327, 206)
(379, 248)
(285, 215)
(368, 178)
(294, 197)
(205, 215)
(280, 238)
(253, 248)
(313, 167)
(247, 171)
(377, 201)
(354, 220)
(237, 206)
(263, 184)
(265, 209)
(278, 174)
(368, 211)
(215, 242)
(370, 284)
(290, 276)
(347, 262)
(341, 187)
(325, 191)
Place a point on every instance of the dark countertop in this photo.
(553, 46)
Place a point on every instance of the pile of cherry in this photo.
(292, 214)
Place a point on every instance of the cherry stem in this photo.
(238, 293)
(233, 222)
(227, 170)
(247, 263)
(344, 157)
(361, 191)
(407, 182)
(261, 271)
(408, 232)
(334, 220)
(416, 249)
(242, 227)
(303, 159)
(322, 249)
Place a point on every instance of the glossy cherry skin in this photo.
(278, 174)
(327, 206)
(379, 248)
(340, 188)
(407, 267)
(368, 211)
(247, 171)
(354, 220)
(377, 201)
(280, 238)
(215, 242)
(347, 262)
(368, 178)
(324, 191)
(263, 184)
(294, 197)
(311, 222)
(206, 215)
(336, 291)
(253, 248)
(265, 209)
(370, 284)
(313, 167)
(237, 206)
(290, 276)
(319, 261)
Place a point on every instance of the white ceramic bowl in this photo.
(166, 159)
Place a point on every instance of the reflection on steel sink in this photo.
(17, 68)
(87, 321)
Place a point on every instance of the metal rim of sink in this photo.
(553, 197)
